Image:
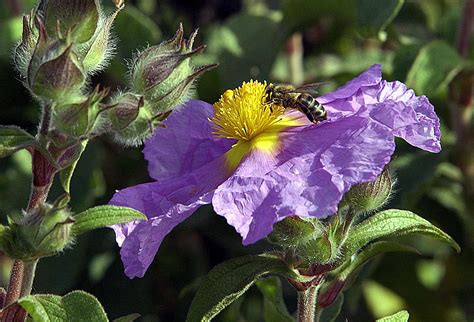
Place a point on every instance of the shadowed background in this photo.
(292, 41)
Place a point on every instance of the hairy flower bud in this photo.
(24, 51)
(79, 119)
(77, 17)
(41, 233)
(164, 74)
(59, 75)
(124, 109)
(370, 196)
(294, 230)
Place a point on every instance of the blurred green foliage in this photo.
(415, 42)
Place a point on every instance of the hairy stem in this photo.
(28, 277)
(307, 305)
(14, 286)
(22, 273)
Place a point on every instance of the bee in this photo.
(299, 98)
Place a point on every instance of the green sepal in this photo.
(13, 138)
(104, 216)
(401, 316)
(393, 223)
(75, 306)
(65, 175)
(274, 308)
(330, 313)
(229, 280)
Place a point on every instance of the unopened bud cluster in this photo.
(318, 242)
(43, 232)
(161, 79)
(65, 42)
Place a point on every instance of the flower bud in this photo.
(369, 196)
(140, 128)
(99, 50)
(124, 110)
(55, 73)
(294, 230)
(77, 17)
(79, 119)
(24, 51)
(41, 233)
(320, 250)
(164, 74)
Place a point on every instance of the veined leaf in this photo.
(401, 316)
(74, 307)
(229, 280)
(104, 216)
(13, 138)
(393, 223)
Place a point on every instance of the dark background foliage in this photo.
(294, 41)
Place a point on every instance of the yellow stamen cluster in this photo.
(243, 113)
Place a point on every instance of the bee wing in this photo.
(307, 88)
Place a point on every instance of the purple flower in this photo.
(258, 165)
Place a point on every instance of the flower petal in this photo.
(321, 163)
(166, 204)
(347, 100)
(314, 168)
(409, 116)
(185, 144)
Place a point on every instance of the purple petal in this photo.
(347, 100)
(321, 163)
(409, 116)
(185, 144)
(315, 167)
(166, 204)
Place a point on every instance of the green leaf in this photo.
(401, 316)
(13, 138)
(274, 308)
(377, 248)
(44, 308)
(65, 175)
(436, 65)
(82, 306)
(104, 216)
(128, 318)
(331, 312)
(377, 15)
(74, 307)
(393, 223)
(229, 280)
(246, 46)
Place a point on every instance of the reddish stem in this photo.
(465, 29)
(14, 286)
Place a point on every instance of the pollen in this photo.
(244, 113)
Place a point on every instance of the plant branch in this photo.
(14, 285)
(307, 305)
(465, 29)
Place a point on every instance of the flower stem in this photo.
(22, 273)
(14, 286)
(307, 305)
(28, 277)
